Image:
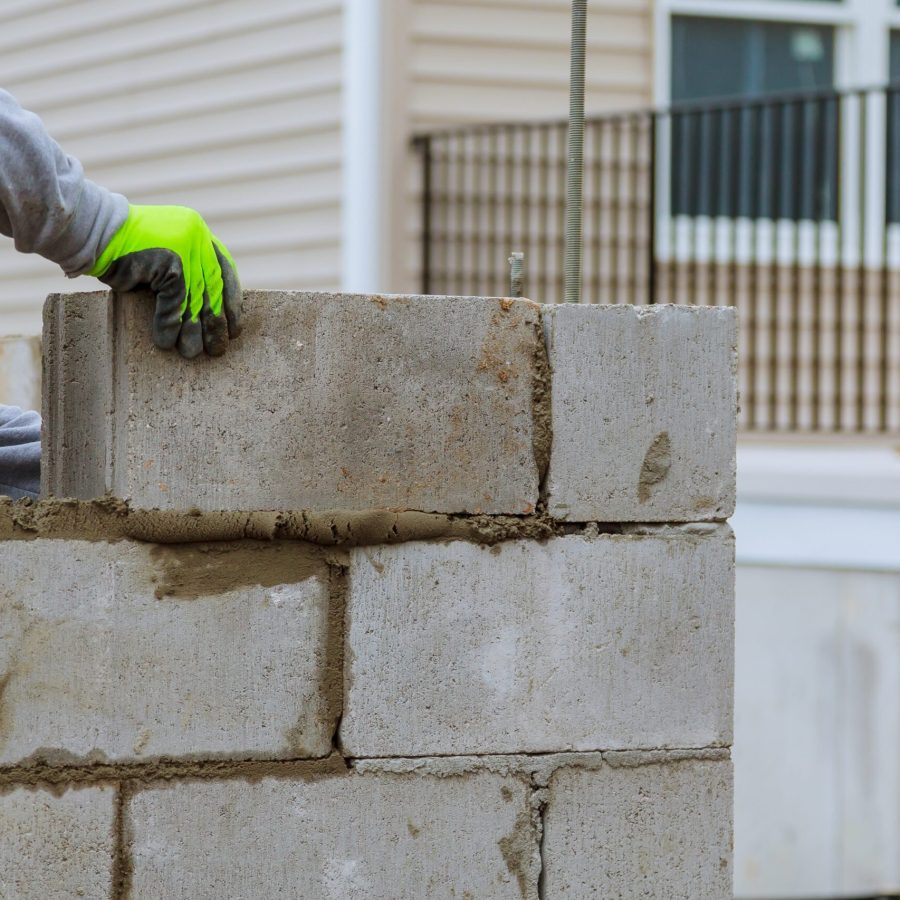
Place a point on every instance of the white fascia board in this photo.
(820, 475)
(795, 535)
(834, 507)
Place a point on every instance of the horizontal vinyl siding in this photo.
(499, 60)
(230, 106)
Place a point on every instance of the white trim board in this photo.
(821, 536)
(819, 507)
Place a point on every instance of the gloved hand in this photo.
(171, 250)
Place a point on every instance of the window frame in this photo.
(862, 30)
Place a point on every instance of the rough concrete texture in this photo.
(128, 652)
(359, 837)
(660, 831)
(331, 401)
(57, 846)
(20, 372)
(644, 405)
(583, 642)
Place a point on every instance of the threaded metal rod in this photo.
(575, 155)
(516, 274)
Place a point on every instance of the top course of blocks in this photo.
(466, 405)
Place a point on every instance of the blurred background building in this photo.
(740, 152)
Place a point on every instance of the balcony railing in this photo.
(787, 207)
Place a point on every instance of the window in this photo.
(775, 160)
(742, 58)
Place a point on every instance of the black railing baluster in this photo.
(797, 111)
(775, 264)
(459, 211)
(526, 246)
(615, 138)
(734, 212)
(562, 148)
(651, 209)
(752, 202)
(509, 190)
(860, 334)
(597, 207)
(544, 219)
(487, 244)
(699, 150)
(840, 288)
(634, 209)
(425, 148)
(440, 201)
(819, 170)
(884, 302)
(678, 202)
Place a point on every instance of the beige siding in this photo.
(508, 61)
(501, 60)
(233, 107)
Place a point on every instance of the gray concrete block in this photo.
(327, 401)
(20, 372)
(644, 411)
(584, 642)
(56, 846)
(130, 651)
(655, 831)
(354, 837)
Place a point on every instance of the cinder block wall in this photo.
(410, 597)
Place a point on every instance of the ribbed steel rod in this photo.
(575, 155)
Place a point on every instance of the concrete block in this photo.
(354, 837)
(327, 401)
(20, 372)
(644, 411)
(661, 831)
(56, 846)
(584, 642)
(126, 651)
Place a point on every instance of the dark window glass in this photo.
(770, 159)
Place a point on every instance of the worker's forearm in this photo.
(20, 453)
(46, 204)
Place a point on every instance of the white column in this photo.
(363, 239)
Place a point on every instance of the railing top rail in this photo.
(712, 104)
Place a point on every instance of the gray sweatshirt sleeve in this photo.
(20, 453)
(46, 204)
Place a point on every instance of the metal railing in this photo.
(787, 207)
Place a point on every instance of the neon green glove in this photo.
(171, 250)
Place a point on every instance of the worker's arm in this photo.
(20, 453)
(48, 207)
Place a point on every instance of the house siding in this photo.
(231, 107)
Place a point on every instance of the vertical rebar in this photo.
(575, 156)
